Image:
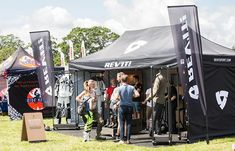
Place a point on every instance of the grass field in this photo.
(10, 135)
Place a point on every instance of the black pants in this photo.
(173, 115)
(157, 117)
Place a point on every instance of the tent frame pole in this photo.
(151, 83)
(169, 107)
(207, 129)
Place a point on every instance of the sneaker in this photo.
(121, 142)
(117, 138)
(128, 142)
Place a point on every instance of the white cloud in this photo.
(85, 22)
(217, 25)
(55, 19)
(142, 13)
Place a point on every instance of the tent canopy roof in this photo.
(142, 48)
(19, 61)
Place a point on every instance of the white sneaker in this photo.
(121, 142)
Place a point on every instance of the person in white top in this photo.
(149, 107)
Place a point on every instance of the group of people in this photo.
(124, 101)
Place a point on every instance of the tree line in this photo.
(95, 39)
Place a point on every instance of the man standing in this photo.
(159, 99)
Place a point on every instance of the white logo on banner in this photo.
(221, 97)
(135, 45)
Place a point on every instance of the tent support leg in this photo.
(151, 83)
(207, 135)
(169, 107)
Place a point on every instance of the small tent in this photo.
(22, 83)
(153, 47)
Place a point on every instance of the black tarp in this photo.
(20, 61)
(140, 49)
(154, 47)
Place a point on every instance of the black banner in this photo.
(24, 95)
(186, 36)
(43, 54)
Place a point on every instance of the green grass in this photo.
(10, 135)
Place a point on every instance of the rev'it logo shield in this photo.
(221, 98)
(135, 45)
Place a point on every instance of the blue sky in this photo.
(217, 17)
(81, 8)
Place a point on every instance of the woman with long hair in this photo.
(87, 96)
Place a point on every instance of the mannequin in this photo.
(63, 91)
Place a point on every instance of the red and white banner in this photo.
(83, 49)
(71, 50)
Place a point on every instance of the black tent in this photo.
(19, 61)
(140, 49)
(22, 82)
(153, 47)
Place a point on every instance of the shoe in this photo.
(100, 138)
(128, 142)
(114, 137)
(117, 138)
(121, 142)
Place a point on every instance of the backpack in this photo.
(82, 107)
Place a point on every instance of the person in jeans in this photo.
(125, 92)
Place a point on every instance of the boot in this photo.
(86, 136)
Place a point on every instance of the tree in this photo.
(95, 39)
(55, 51)
(8, 45)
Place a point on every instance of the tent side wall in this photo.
(219, 73)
